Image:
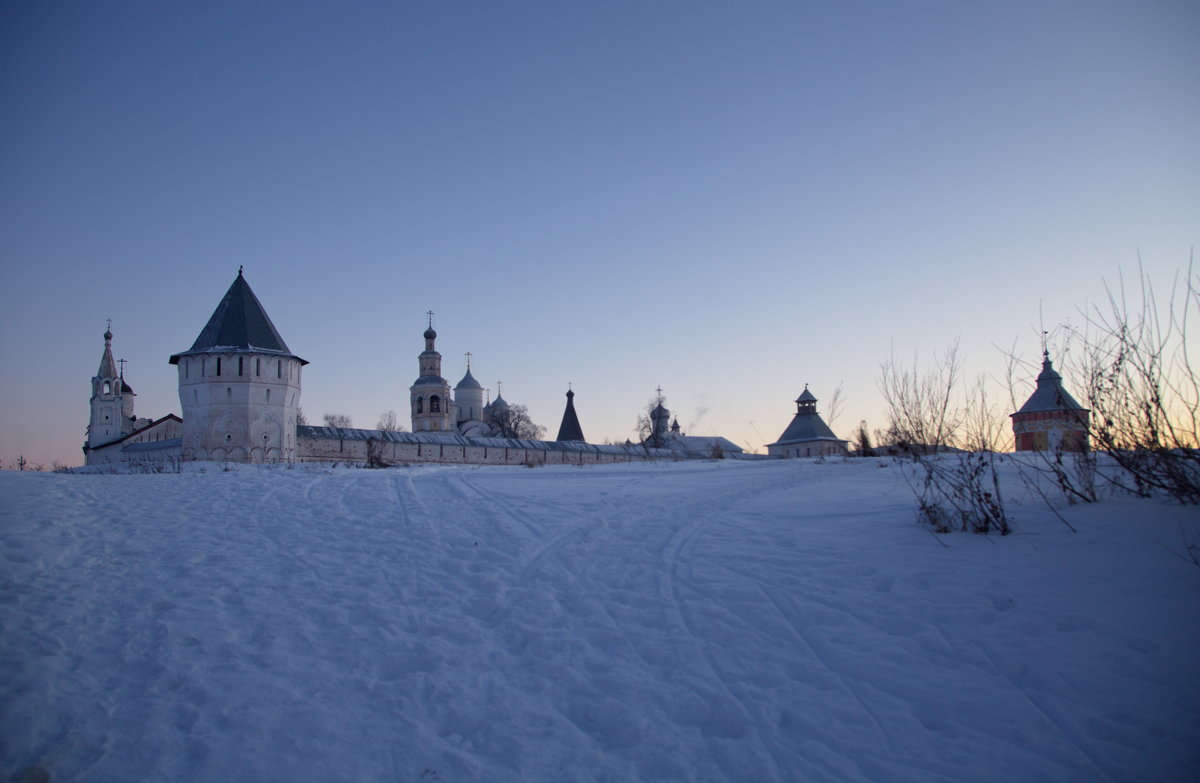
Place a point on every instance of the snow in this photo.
(703, 621)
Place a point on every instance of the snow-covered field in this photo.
(749, 621)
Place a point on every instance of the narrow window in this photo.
(258, 366)
(187, 368)
(228, 394)
(218, 366)
(203, 367)
(279, 368)
(268, 395)
(240, 364)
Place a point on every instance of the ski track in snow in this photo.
(781, 621)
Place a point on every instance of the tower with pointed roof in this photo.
(807, 435)
(111, 402)
(239, 385)
(1051, 419)
(570, 430)
(429, 395)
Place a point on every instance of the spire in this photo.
(570, 430)
(108, 368)
(239, 323)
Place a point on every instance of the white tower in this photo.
(468, 402)
(430, 394)
(112, 402)
(239, 385)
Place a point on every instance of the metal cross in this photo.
(122, 363)
(430, 314)
(468, 360)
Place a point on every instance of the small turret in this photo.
(570, 430)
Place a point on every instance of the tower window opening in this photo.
(218, 366)
(107, 387)
(435, 404)
(420, 405)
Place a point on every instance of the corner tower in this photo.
(1051, 419)
(429, 396)
(807, 435)
(239, 385)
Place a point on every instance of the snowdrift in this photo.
(751, 621)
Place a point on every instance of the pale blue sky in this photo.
(725, 199)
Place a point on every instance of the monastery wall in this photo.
(328, 444)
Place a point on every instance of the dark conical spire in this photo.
(239, 323)
(108, 368)
(570, 429)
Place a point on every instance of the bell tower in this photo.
(429, 395)
(111, 402)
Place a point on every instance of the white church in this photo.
(239, 390)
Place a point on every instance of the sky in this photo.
(725, 200)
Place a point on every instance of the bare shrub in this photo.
(928, 414)
(1142, 385)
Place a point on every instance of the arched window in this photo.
(435, 404)
(107, 387)
(420, 405)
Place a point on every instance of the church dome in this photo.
(430, 334)
(468, 382)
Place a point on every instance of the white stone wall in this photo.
(165, 431)
(354, 450)
(812, 448)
